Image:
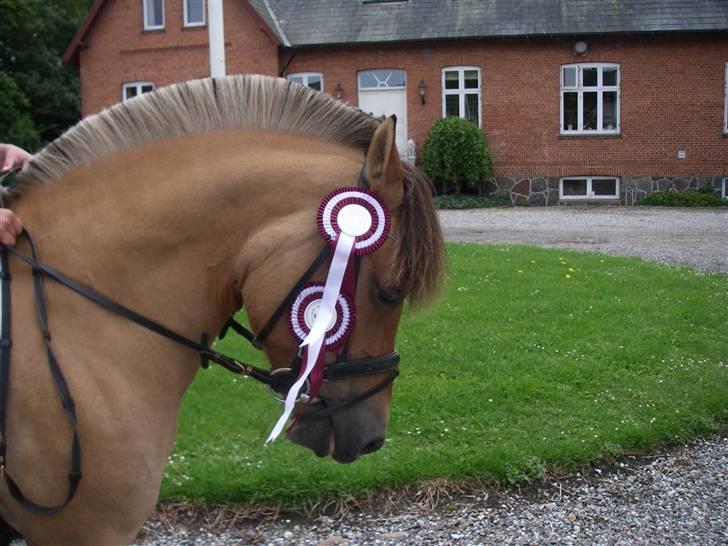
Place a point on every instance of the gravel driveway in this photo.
(675, 497)
(694, 237)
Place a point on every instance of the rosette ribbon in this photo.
(354, 222)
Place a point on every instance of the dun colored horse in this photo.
(185, 204)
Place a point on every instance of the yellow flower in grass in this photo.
(567, 276)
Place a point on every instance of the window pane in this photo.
(314, 82)
(569, 75)
(195, 11)
(452, 105)
(130, 92)
(604, 186)
(296, 79)
(471, 79)
(570, 111)
(609, 76)
(452, 80)
(589, 76)
(372, 79)
(609, 110)
(471, 108)
(154, 13)
(574, 186)
(147, 88)
(589, 118)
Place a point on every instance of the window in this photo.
(724, 189)
(461, 93)
(590, 99)
(153, 14)
(382, 79)
(314, 80)
(130, 90)
(589, 187)
(194, 13)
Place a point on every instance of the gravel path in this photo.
(675, 497)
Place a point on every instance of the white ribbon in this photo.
(315, 338)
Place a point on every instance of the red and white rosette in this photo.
(304, 312)
(353, 221)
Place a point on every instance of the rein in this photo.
(279, 380)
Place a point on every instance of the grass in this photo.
(467, 201)
(536, 360)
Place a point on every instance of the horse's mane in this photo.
(195, 107)
(247, 102)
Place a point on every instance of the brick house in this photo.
(581, 100)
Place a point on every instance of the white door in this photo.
(383, 93)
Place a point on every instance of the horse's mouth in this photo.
(343, 437)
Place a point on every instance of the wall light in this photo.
(421, 88)
(339, 90)
(580, 48)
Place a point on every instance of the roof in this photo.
(301, 23)
(325, 22)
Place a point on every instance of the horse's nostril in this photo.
(372, 446)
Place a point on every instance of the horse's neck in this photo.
(171, 228)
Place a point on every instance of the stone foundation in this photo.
(543, 191)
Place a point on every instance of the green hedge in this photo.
(683, 199)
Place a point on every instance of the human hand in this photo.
(10, 227)
(12, 156)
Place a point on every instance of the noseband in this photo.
(278, 380)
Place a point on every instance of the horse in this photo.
(187, 204)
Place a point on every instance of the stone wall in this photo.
(544, 190)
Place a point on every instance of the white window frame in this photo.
(145, 9)
(589, 191)
(461, 91)
(305, 76)
(138, 86)
(187, 23)
(599, 89)
(725, 102)
(724, 188)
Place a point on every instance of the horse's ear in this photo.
(385, 170)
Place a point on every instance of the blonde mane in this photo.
(195, 107)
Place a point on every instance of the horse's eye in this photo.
(390, 296)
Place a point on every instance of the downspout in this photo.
(216, 33)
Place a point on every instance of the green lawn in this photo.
(535, 359)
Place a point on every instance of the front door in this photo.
(383, 93)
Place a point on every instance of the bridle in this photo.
(278, 380)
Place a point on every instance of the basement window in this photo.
(724, 189)
(133, 89)
(314, 80)
(153, 14)
(194, 13)
(589, 187)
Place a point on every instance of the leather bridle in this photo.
(278, 380)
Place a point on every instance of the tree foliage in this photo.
(456, 152)
(39, 96)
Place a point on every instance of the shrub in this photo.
(456, 153)
(683, 199)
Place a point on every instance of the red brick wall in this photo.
(672, 93)
(119, 51)
(672, 87)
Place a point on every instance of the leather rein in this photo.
(278, 380)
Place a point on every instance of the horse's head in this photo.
(349, 417)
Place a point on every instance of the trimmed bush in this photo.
(456, 153)
(683, 199)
